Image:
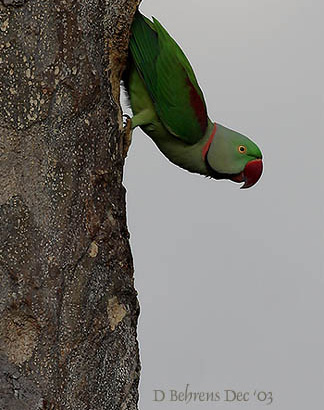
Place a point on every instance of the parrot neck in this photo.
(186, 156)
(209, 141)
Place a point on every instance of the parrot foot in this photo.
(126, 117)
(126, 134)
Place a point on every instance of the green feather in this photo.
(169, 79)
(169, 106)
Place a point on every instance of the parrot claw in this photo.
(126, 117)
(126, 134)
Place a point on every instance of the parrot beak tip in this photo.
(252, 173)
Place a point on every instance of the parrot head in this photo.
(230, 155)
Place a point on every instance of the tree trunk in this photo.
(68, 308)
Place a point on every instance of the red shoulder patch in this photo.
(198, 105)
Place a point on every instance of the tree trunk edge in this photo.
(68, 307)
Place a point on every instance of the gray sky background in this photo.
(230, 281)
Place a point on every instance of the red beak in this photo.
(252, 173)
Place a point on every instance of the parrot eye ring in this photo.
(242, 149)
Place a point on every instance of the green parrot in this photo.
(169, 106)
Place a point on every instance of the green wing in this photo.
(169, 79)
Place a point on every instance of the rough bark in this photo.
(68, 308)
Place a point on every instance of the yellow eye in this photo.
(241, 149)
